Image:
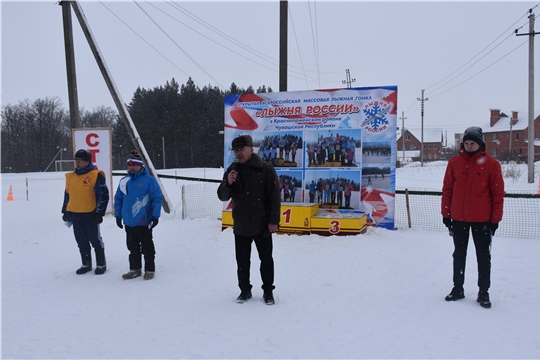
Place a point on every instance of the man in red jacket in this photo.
(473, 194)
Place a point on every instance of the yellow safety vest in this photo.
(82, 197)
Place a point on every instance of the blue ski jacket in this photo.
(138, 199)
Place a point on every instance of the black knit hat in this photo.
(134, 158)
(241, 141)
(474, 133)
(83, 155)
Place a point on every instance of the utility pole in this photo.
(163, 147)
(510, 148)
(531, 97)
(403, 134)
(122, 109)
(70, 66)
(422, 101)
(283, 12)
(348, 80)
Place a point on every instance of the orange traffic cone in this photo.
(538, 185)
(10, 194)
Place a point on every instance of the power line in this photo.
(298, 46)
(178, 46)
(314, 45)
(481, 71)
(481, 51)
(156, 50)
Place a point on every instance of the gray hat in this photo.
(474, 133)
(241, 141)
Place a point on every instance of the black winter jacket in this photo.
(256, 198)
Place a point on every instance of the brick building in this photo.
(506, 137)
(433, 144)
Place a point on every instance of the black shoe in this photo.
(100, 270)
(483, 299)
(83, 270)
(244, 296)
(455, 294)
(268, 297)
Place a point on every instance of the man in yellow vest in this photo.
(85, 202)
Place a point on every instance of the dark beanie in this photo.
(83, 155)
(135, 158)
(241, 141)
(474, 133)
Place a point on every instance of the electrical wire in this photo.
(480, 52)
(156, 50)
(481, 71)
(178, 46)
(298, 46)
(314, 44)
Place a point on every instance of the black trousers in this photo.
(481, 234)
(139, 241)
(243, 260)
(86, 231)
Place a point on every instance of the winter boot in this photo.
(455, 294)
(483, 299)
(244, 296)
(148, 275)
(132, 274)
(86, 257)
(268, 297)
(101, 265)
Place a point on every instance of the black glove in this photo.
(153, 223)
(65, 216)
(98, 218)
(448, 223)
(119, 222)
(493, 227)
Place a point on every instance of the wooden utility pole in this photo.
(422, 101)
(70, 66)
(122, 110)
(283, 12)
(530, 155)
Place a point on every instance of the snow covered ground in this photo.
(376, 295)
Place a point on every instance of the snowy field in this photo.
(376, 295)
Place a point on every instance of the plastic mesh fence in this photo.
(521, 213)
(521, 216)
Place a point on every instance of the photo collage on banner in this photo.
(333, 147)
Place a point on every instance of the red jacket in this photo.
(473, 188)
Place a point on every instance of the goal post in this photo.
(64, 165)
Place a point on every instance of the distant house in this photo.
(507, 137)
(410, 142)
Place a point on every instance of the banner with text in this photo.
(333, 147)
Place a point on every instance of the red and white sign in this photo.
(98, 141)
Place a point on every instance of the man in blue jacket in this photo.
(138, 203)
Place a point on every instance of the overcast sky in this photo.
(465, 55)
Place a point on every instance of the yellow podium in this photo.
(304, 219)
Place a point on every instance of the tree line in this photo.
(182, 121)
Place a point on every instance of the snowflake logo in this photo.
(376, 112)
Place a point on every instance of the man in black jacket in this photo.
(256, 200)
